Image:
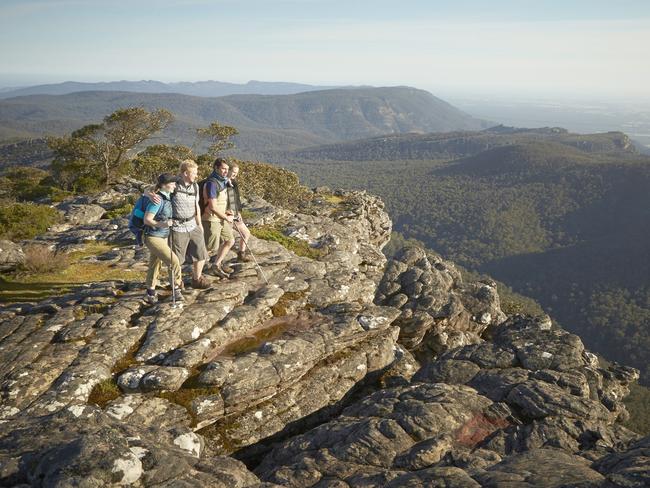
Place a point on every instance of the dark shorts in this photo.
(190, 244)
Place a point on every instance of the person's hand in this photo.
(229, 218)
(164, 224)
(154, 197)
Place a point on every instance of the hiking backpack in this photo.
(136, 219)
(203, 195)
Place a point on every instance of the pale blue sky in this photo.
(542, 47)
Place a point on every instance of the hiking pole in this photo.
(248, 248)
(171, 269)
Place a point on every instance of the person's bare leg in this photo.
(197, 269)
(222, 251)
(245, 234)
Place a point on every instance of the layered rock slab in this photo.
(496, 418)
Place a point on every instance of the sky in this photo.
(502, 47)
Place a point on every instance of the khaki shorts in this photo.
(190, 244)
(215, 232)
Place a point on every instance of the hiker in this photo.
(157, 221)
(234, 202)
(187, 231)
(217, 219)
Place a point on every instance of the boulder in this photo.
(439, 311)
(11, 255)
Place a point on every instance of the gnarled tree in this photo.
(103, 148)
(218, 137)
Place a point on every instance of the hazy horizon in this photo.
(511, 48)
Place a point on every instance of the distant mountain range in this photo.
(208, 88)
(266, 122)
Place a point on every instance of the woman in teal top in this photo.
(157, 221)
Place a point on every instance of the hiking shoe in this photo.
(219, 271)
(226, 268)
(201, 284)
(178, 296)
(243, 257)
(151, 299)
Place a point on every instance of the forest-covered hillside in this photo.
(564, 219)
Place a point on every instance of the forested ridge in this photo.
(560, 217)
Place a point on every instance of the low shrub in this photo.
(298, 246)
(275, 185)
(39, 258)
(121, 211)
(26, 220)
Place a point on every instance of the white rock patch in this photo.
(130, 467)
(119, 412)
(189, 442)
(77, 410)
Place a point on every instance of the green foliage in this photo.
(638, 404)
(157, 159)
(121, 211)
(618, 320)
(92, 156)
(298, 246)
(76, 164)
(26, 220)
(25, 183)
(218, 137)
(276, 185)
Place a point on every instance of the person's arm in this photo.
(149, 217)
(197, 215)
(158, 224)
(212, 205)
(150, 193)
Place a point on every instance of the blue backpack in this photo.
(136, 219)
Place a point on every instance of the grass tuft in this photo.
(39, 258)
(104, 392)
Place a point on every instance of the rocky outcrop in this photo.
(83, 446)
(11, 255)
(238, 363)
(438, 310)
(332, 368)
(503, 410)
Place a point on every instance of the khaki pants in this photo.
(159, 254)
